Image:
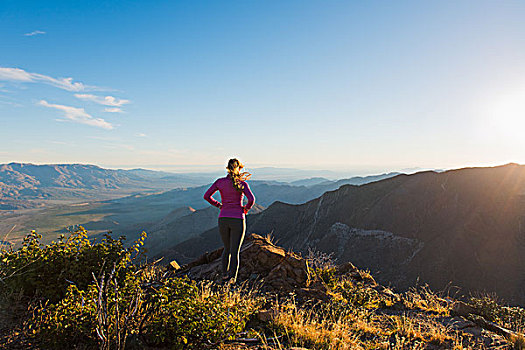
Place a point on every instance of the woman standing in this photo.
(232, 224)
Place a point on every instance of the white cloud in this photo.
(78, 115)
(142, 135)
(15, 74)
(35, 32)
(103, 100)
(113, 110)
(20, 75)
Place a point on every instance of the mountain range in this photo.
(462, 228)
(24, 185)
(129, 201)
(149, 212)
(28, 185)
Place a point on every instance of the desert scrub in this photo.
(178, 314)
(116, 299)
(99, 305)
(358, 294)
(45, 272)
(418, 329)
(492, 309)
(181, 313)
(69, 322)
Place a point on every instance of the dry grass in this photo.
(424, 299)
(423, 329)
(306, 328)
(232, 295)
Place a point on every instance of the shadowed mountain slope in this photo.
(179, 225)
(465, 227)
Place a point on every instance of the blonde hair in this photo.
(234, 170)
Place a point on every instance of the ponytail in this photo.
(234, 170)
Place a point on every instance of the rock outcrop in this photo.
(261, 260)
(276, 270)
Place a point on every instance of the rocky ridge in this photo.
(276, 270)
(464, 227)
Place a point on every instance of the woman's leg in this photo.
(238, 229)
(224, 229)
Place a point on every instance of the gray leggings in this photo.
(232, 234)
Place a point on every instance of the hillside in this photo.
(462, 227)
(80, 294)
(179, 225)
(131, 214)
(266, 192)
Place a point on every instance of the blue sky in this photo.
(362, 86)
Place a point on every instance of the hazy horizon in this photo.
(268, 172)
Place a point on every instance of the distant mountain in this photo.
(310, 181)
(152, 207)
(356, 180)
(131, 214)
(119, 200)
(29, 185)
(292, 174)
(465, 227)
(32, 183)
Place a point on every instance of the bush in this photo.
(69, 322)
(91, 293)
(45, 272)
(182, 313)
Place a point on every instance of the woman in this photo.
(232, 223)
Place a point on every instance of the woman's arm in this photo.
(249, 196)
(209, 193)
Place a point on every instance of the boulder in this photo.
(260, 260)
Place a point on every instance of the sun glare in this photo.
(506, 116)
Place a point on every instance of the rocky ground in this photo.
(281, 300)
(428, 321)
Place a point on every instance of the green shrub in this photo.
(359, 295)
(184, 313)
(46, 271)
(106, 313)
(91, 293)
(69, 322)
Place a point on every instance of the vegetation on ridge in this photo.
(80, 294)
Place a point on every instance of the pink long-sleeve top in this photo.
(231, 206)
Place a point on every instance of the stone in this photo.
(458, 323)
(345, 268)
(463, 309)
(259, 258)
(267, 315)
